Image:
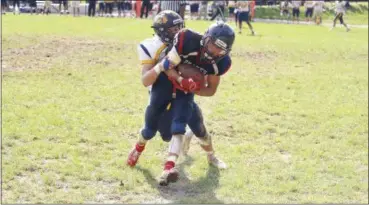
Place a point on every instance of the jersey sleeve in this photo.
(186, 41)
(224, 65)
(144, 55)
(150, 50)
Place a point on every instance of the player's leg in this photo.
(249, 23)
(343, 22)
(182, 107)
(240, 19)
(198, 128)
(335, 20)
(298, 15)
(160, 97)
(165, 123)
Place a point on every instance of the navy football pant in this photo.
(183, 111)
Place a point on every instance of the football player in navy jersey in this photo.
(208, 53)
(158, 114)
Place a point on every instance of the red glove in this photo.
(188, 84)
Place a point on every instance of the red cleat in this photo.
(134, 155)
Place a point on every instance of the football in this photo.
(189, 71)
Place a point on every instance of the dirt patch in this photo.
(55, 51)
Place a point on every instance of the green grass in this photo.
(290, 118)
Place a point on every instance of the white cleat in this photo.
(168, 176)
(187, 142)
(214, 161)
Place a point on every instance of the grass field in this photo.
(290, 118)
(357, 14)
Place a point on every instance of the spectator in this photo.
(75, 6)
(318, 11)
(340, 12)
(284, 9)
(120, 5)
(109, 5)
(91, 7)
(231, 8)
(128, 8)
(204, 10)
(309, 5)
(101, 10)
(16, 5)
(33, 5)
(3, 6)
(64, 4)
(296, 11)
(194, 9)
(178, 6)
(219, 6)
(47, 7)
(244, 13)
(145, 5)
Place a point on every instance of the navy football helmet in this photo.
(217, 42)
(166, 25)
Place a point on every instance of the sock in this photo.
(140, 147)
(169, 165)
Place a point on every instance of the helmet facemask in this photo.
(213, 49)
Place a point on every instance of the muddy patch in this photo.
(55, 51)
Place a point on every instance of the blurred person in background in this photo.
(120, 5)
(145, 7)
(231, 9)
(178, 6)
(3, 6)
(318, 11)
(340, 12)
(296, 11)
(194, 9)
(33, 5)
(16, 5)
(252, 7)
(101, 10)
(109, 5)
(284, 7)
(219, 6)
(75, 7)
(91, 7)
(244, 13)
(47, 7)
(63, 4)
(204, 10)
(309, 6)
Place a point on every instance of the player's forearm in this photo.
(172, 73)
(206, 91)
(149, 77)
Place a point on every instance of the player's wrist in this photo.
(158, 69)
(179, 79)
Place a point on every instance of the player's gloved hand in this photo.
(188, 84)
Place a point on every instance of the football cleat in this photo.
(168, 176)
(214, 161)
(133, 157)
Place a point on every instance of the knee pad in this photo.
(206, 140)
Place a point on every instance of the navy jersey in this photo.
(188, 46)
